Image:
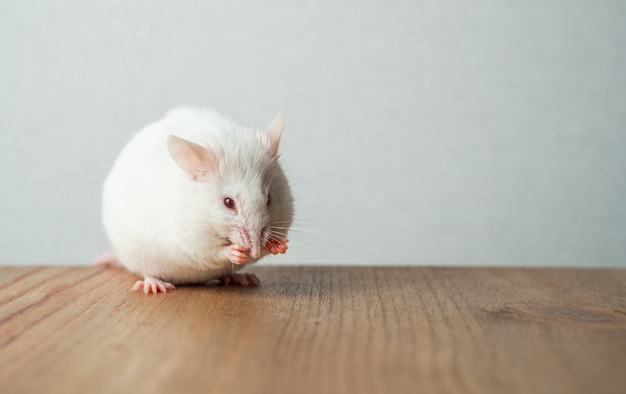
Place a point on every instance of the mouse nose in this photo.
(252, 241)
(258, 243)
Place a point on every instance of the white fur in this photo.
(162, 223)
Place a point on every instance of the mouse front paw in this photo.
(237, 254)
(152, 285)
(276, 246)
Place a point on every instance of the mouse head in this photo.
(245, 197)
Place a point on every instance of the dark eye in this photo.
(229, 203)
(269, 199)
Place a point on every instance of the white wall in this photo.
(420, 132)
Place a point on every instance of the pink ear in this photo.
(274, 132)
(194, 159)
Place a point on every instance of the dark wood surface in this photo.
(312, 329)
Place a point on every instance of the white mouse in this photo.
(194, 197)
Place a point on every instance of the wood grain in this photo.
(316, 330)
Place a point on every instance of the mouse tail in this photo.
(108, 259)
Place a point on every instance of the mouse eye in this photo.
(269, 199)
(229, 203)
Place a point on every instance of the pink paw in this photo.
(237, 254)
(152, 285)
(276, 246)
(243, 280)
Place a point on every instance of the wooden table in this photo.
(316, 330)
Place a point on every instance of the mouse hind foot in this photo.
(153, 285)
(243, 280)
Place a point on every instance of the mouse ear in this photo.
(274, 131)
(194, 159)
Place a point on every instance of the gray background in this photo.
(427, 132)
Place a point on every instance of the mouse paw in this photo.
(276, 246)
(243, 280)
(237, 254)
(152, 285)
